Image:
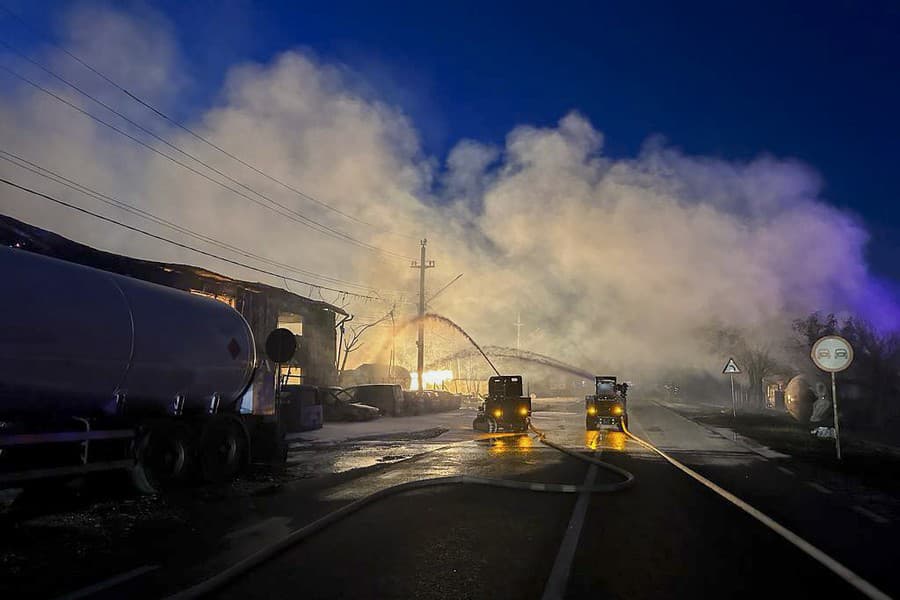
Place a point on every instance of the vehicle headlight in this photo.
(523, 411)
(617, 409)
(498, 413)
(592, 411)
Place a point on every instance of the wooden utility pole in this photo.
(420, 341)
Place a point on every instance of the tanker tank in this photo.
(78, 341)
(799, 398)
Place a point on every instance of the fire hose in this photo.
(242, 567)
(245, 565)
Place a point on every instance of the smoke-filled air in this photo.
(612, 263)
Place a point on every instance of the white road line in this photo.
(823, 559)
(748, 443)
(108, 583)
(555, 589)
(819, 488)
(786, 471)
(871, 515)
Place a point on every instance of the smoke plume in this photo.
(611, 263)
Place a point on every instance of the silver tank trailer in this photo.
(73, 338)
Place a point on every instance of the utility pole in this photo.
(518, 330)
(420, 342)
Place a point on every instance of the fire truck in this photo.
(505, 408)
(608, 405)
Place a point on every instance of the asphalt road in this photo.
(666, 537)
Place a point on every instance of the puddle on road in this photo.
(605, 440)
(338, 459)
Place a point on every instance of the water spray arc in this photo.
(446, 321)
(522, 355)
(421, 320)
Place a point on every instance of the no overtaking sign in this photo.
(832, 353)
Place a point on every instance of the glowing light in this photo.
(605, 440)
(617, 410)
(615, 440)
(592, 410)
(523, 411)
(431, 378)
(498, 413)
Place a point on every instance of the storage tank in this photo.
(799, 398)
(73, 339)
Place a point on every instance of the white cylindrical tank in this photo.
(73, 339)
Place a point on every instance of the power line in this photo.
(179, 244)
(285, 211)
(187, 129)
(56, 177)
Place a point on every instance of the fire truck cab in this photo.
(608, 405)
(505, 408)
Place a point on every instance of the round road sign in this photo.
(832, 353)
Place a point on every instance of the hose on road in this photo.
(240, 568)
(852, 578)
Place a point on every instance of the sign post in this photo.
(833, 354)
(731, 369)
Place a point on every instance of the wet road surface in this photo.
(668, 536)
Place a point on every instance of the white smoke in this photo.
(612, 263)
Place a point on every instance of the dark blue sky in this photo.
(819, 81)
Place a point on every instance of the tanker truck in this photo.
(99, 371)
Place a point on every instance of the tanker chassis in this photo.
(99, 372)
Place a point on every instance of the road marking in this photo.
(786, 471)
(741, 440)
(108, 583)
(555, 588)
(826, 561)
(819, 488)
(868, 513)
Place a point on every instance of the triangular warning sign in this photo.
(731, 368)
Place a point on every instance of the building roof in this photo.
(40, 241)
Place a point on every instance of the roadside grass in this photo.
(872, 463)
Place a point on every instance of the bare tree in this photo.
(351, 342)
(759, 364)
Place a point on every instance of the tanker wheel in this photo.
(164, 456)
(223, 450)
(480, 423)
